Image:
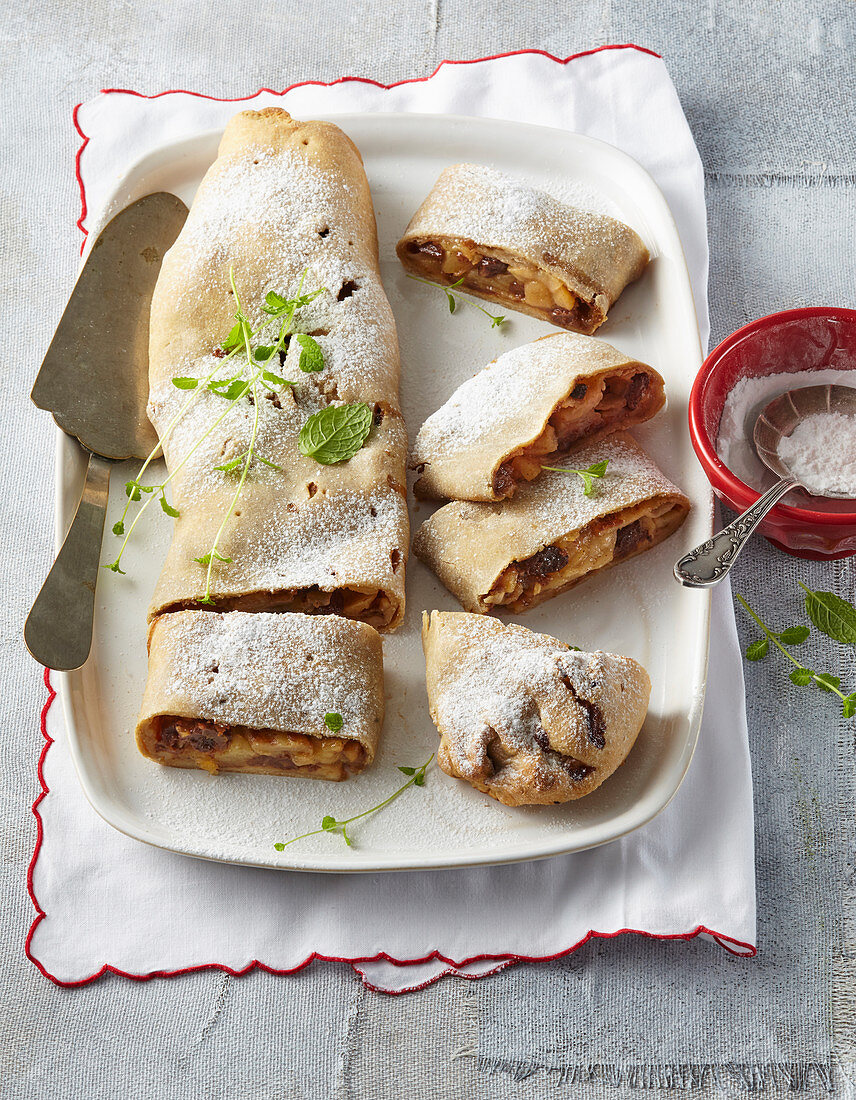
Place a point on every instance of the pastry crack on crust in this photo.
(521, 716)
(510, 243)
(531, 407)
(249, 692)
(549, 536)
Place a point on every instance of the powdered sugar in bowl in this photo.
(785, 351)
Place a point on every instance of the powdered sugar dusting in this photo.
(508, 681)
(496, 210)
(281, 672)
(487, 404)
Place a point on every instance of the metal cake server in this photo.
(94, 380)
(710, 562)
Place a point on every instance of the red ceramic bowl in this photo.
(796, 340)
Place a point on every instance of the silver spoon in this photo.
(710, 562)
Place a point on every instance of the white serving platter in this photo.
(636, 609)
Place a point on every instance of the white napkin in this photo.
(105, 901)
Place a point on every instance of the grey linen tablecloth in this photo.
(770, 93)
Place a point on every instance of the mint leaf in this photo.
(407, 771)
(132, 490)
(329, 823)
(263, 352)
(848, 705)
(311, 355)
(336, 433)
(115, 567)
(794, 635)
(758, 649)
(495, 322)
(185, 383)
(274, 303)
(235, 339)
(230, 389)
(597, 469)
(275, 379)
(168, 508)
(833, 616)
(333, 721)
(419, 781)
(119, 528)
(801, 677)
(827, 682)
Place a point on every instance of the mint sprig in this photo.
(596, 470)
(233, 389)
(496, 320)
(801, 675)
(330, 824)
(335, 433)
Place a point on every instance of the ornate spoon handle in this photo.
(710, 562)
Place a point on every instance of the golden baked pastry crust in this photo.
(242, 692)
(521, 716)
(519, 247)
(532, 406)
(282, 199)
(550, 536)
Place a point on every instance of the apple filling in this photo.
(215, 747)
(604, 542)
(372, 606)
(504, 277)
(590, 408)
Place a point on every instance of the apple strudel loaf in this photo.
(502, 240)
(521, 716)
(529, 408)
(284, 694)
(550, 535)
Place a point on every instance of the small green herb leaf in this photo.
(185, 383)
(336, 433)
(453, 305)
(329, 823)
(263, 352)
(801, 677)
(496, 320)
(206, 560)
(275, 379)
(848, 705)
(230, 389)
(132, 490)
(115, 567)
(235, 339)
(311, 355)
(794, 635)
(827, 682)
(333, 721)
(407, 771)
(831, 615)
(596, 470)
(119, 528)
(168, 508)
(758, 649)
(280, 847)
(275, 303)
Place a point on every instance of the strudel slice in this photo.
(285, 210)
(286, 694)
(529, 408)
(521, 716)
(521, 248)
(550, 536)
